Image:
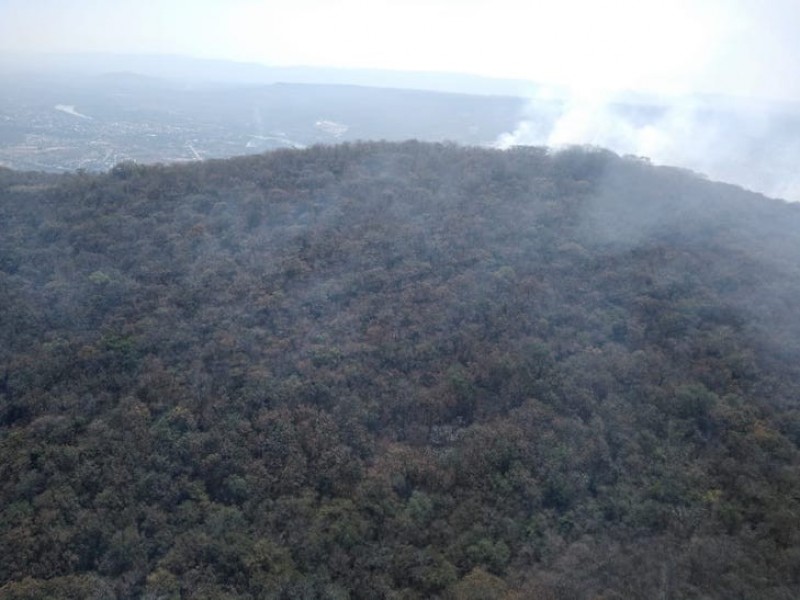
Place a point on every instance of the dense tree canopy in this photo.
(398, 371)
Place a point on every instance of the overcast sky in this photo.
(742, 47)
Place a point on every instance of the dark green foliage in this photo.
(398, 371)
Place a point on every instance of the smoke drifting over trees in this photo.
(752, 144)
(398, 370)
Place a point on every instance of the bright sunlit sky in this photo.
(741, 47)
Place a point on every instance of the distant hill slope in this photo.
(398, 371)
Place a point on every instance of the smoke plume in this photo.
(752, 144)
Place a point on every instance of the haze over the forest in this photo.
(398, 370)
(349, 300)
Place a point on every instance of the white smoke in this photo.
(756, 146)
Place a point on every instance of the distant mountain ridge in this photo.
(203, 71)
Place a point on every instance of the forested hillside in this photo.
(398, 371)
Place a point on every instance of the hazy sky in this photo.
(743, 47)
